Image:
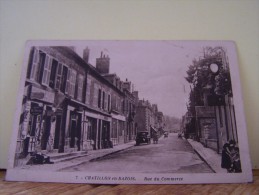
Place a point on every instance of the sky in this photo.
(155, 68)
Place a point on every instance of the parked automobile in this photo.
(142, 137)
(165, 134)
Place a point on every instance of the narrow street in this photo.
(170, 155)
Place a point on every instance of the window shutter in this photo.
(68, 82)
(80, 87)
(46, 71)
(96, 92)
(72, 83)
(58, 76)
(35, 64)
(106, 102)
(88, 90)
(109, 102)
(49, 69)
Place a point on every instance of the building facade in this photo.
(211, 117)
(68, 105)
(145, 117)
(51, 118)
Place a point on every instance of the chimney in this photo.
(103, 64)
(86, 55)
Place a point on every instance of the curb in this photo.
(204, 160)
(94, 158)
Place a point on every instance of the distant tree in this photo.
(172, 123)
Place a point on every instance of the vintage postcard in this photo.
(130, 112)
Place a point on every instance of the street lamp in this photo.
(214, 68)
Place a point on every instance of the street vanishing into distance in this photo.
(170, 155)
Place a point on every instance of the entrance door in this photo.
(78, 132)
(99, 134)
(106, 134)
(57, 131)
(46, 133)
(73, 133)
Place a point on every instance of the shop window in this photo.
(89, 131)
(114, 128)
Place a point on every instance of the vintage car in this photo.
(165, 134)
(142, 137)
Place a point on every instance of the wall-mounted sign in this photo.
(42, 95)
(49, 112)
(205, 111)
(36, 110)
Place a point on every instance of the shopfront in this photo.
(207, 125)
(36, 121)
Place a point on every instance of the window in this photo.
(109, 102)
(103, 102)
(53, 73)
(40, 68)
(114, 128)
(88, 90)
(99, 98)
(64, 79)
(58, 76)
(95, 98)
(68, 81)
(90, 131)
(46, 71)
(72, 83)
(80, 84)
(34, 65)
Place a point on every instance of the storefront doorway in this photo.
(75, 130)
(57, 131)
(46, 129)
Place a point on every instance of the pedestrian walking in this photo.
(155, 138)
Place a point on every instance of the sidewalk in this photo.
(212, 158)
(90, 156)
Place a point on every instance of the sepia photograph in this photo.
(130, 112)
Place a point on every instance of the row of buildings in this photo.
(70, 105)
